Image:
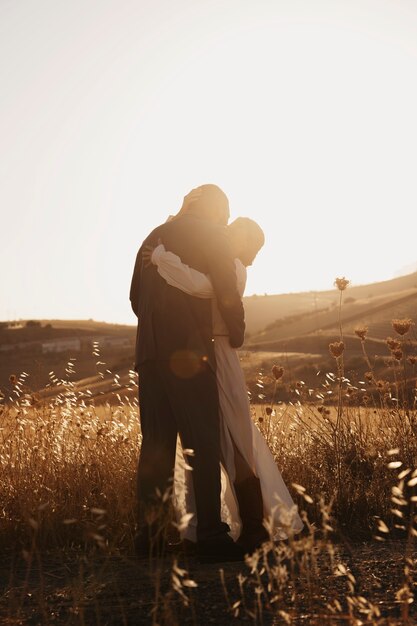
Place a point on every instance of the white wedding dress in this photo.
(235, 420)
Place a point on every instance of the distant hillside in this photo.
(39, 347)
(375, 312)
(42, 330)
(292, 328)
(262, 311)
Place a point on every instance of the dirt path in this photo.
(73, 589)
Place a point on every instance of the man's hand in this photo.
(147, 253)
(195, 194)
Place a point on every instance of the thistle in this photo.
(361, 332)
(393, 344)
(336, 348)
(277, 372)
(341, 283)
(397, 354)
(402, 326)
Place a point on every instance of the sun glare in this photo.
(304, 115)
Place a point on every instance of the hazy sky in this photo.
(304, 111)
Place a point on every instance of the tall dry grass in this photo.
(67, 474)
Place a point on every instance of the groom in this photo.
(177, 372)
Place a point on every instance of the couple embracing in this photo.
(186, 292)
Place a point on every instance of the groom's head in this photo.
(212, 205)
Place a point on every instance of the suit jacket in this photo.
(172, 323)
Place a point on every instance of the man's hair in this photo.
(250, 230)
(212, 200)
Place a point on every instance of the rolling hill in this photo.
(376, 313)
(294, 328)
(261, 311)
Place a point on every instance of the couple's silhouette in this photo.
(186, 291)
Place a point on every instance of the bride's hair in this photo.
(247, 238)
(249, 230)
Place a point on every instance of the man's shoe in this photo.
(249, 497)
(253, 540)
(219, 551)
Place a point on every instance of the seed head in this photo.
(402, 326)
(341, 283)
(369, 376)
(277, 372)
(412, 360)
(393, 344)
(397, 354)
(268, 410)
(323, 410)
(13, 379)
(361, 332)
(336, 348)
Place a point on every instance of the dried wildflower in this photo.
(393, 344)
(268, 410)
(278, 372)
(402, 326)
(369, 376)
(260, 420)
(324, 410)
(13, 379)
(361, 332)
(397, 354)
(412, 360)
(341, 283)
(336, 348)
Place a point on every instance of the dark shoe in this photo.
(219, 551)
(249, 497)
(253, 540)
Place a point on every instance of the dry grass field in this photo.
(346, 447)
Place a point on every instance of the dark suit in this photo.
(176, 364)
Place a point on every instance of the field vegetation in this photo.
(344, 441)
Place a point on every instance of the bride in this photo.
(252, 486)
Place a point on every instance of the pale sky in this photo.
(303, 111)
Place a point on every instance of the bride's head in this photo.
(247, 238)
